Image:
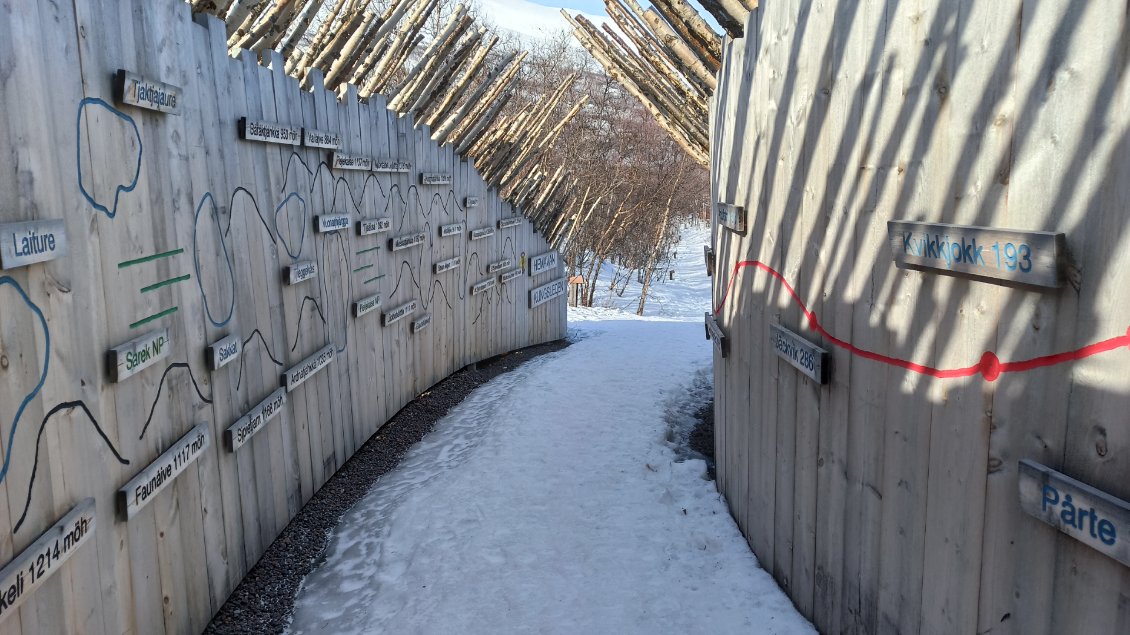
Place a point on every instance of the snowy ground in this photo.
(550, 501)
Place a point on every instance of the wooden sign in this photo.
(351, 162)
(805, 356)
(398, 313)
(510, 275)
(366, 305)
(1027, 257)
(141, 489)
(300, 272)
(43, 558)
(708, 252)
(470, 201)
(732, 217)
(406, 241)
(482, 232)
(433, 178)
(23, 244)
(451, 230)
(391, 165)
(1088, 515)
(715, 334)
(320, 139)
(511, 222)
(307, 368)
(483, 286)
(223, 352)
(421, 323)
(500, 265)
(241, 431)
(547, 292)
(447, 265)
(370, 226)
(269, 132)
(135, 90)
(129, 359)
(331, 222)
(543, 263)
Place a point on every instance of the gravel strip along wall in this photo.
(203, 311)
(934, 194)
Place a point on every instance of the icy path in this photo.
(550, 502)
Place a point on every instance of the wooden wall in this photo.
(226, 217)
(886, 501)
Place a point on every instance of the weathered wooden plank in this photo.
(141, 489)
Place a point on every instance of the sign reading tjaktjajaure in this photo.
(1034, 258)
(134, 90)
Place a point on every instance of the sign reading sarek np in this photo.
(547, 292)
(241, 431)
(332, 222)
(1088, 515)
(223, 352)
(805, 356)
(543, 263)
(369, 226)
(28, 571)
(141, 489)
(1027, 257)
(129, 359)
(23, 244)
(269, 132)
(135, 90)
(307, 368)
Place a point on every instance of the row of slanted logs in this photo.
(443, 83)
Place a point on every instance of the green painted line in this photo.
(373, 279)
(138, 261)
(165, 283)
(364, 267)
(365, 251)
(158, 316)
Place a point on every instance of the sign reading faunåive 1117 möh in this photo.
(1034, 258)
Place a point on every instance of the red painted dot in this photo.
(990, 366)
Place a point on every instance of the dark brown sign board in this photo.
(715, 334)
(808, 358)
(1035, 258)
(1091, 516)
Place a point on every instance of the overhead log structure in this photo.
(440, 81)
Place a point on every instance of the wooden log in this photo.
(697, 33)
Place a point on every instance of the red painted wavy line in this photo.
(989, 367)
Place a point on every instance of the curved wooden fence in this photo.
(215, 288)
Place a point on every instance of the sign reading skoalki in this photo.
(43, 558)
(141, 489)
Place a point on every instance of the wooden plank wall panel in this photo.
(886, 501)
(230, 215)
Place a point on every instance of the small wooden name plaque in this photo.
(805, 356)
(510, 222)
(392, 166)
(470, 202)
(447, 265)
(715, 334)
(31, 242)
(341, 161)
(399, 313)
(370, 226)
(223, 352)
(421, 323)
(366, 305)
(510, 275)
(432, 178)
(1091, 516)
(483, 286)
(543, 263)
(453, 229)
(482, 232)
(134, 90)
(406, 241)
(332, 222)
(547, 292)
(141, 489)
(732, 217)
(129, 359)
(241, 431)
(1027, 257)
(321, 139)
(269, 132)
(495, 267)
(307, 368)
(300, 272)
(34, 566)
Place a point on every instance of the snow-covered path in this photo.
(549, 501)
